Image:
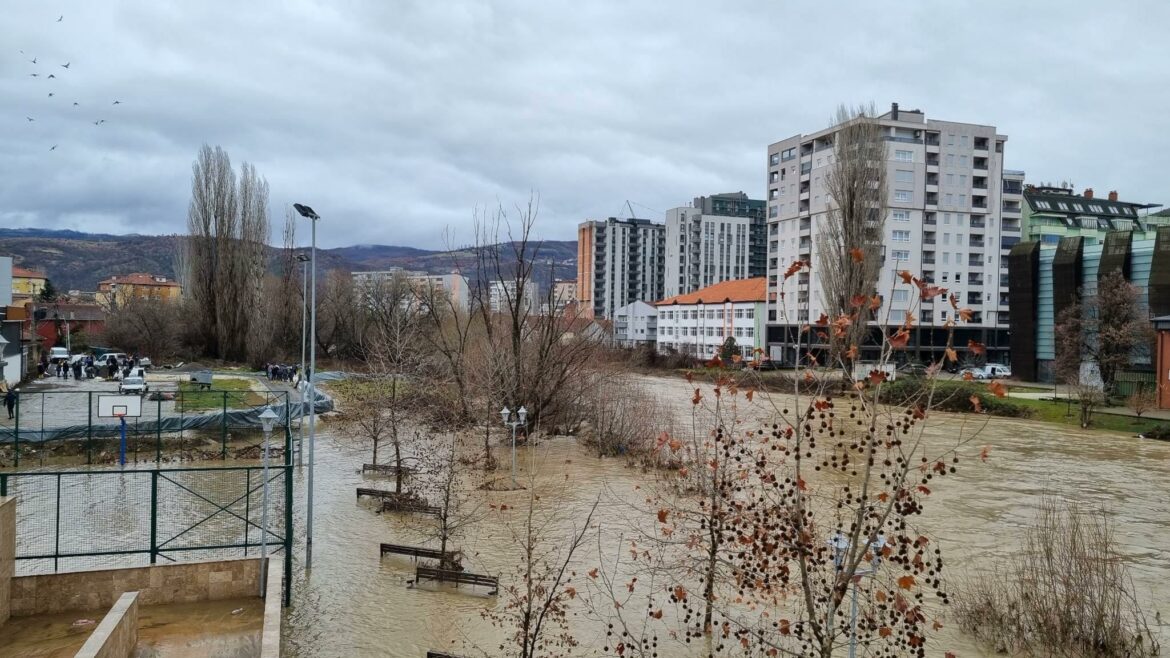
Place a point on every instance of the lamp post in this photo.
(522, 417)
(840, 544)
(267, 418)
(309, 214)
(303, 259)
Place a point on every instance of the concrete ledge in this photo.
(185, 582)
(117, 635)
(270, 642)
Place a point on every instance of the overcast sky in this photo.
(396, 119)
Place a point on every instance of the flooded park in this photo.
(356, 602)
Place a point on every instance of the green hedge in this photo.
(950, 395)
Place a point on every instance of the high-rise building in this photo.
(422, 284)
(717, 238)
(951, 219)
(618, 261)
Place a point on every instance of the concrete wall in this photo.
(117, 635)
(270, 642)
(186, 582)
(7, 554)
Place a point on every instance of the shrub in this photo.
(949, 396)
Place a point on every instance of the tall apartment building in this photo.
(717, 238)
(455, 285)
(618, 261)
(952, 217)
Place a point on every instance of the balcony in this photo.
(1011, 227)
(929, 219)
(979, 182)
(928, 258)
(805, 224)
(1011, 207)
(979, 202)
(932, 139)
(975, 298)
(980, 143)
(932, 159)
(978, 222)
(975, 260)
(928, 241)
(1013, 187)
(805, 167)
(975, 280)
(979, 163)
(932, 178)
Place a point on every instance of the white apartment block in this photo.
(635, 324)
(717, 238)
(618, 261)
(699, 323)
(454, 284)
(947, 221)
(502, 293)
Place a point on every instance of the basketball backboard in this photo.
(119, 406)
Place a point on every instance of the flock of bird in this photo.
(53, 76)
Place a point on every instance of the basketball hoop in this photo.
(119, 411)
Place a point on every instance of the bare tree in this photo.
(1142, 399)
(849, 242)
(458, 509)
(143, 325)
(338, 309)
(228, 227)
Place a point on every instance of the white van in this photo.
(57, 353)
(996, 371)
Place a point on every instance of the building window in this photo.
(904, 176)
(963, 161)
(945, 275)
(775, 159)
(773, 212)
(946, 238)
(900, 295)
(962, 200)
(773, 176)
(901, 236)
(958, 219)
(963, 141)
(903, 196)
(901, 215)
(749, 332)
(772, 194)
(949, 199)
(950, 159)
(904, 156)
(947, 257)
(900, 254)
(749, 313)
(950, 139)
(963, 180)
(950, 179)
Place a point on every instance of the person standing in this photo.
(10, 402)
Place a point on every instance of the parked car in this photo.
(58, 353)
(133, 386)
(975, 372)
(144, 361)
(912, 370)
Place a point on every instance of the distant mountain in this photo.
(75, 260)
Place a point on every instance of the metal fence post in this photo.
(57, 528)
(247, 508)
(3, 484)
(288, 501)
(89, 428)
(154, 515)
(223, 426)
(158, 434)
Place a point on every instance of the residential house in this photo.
(27, 284)
(121, 289)
(699, 323)
(635, 324)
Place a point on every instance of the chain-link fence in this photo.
(64, 427)
(70, 520)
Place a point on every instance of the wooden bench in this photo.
(449, 561)
(416, 507)
(422, 573)
(388, 469)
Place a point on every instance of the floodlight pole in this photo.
(308, 213)
(304, 334)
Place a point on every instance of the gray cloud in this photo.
(397, 119)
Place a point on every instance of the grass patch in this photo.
(1051, 411)
(239, 394)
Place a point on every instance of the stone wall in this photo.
(7, 554)
(270, 643)
(186, 582)
(117, 635)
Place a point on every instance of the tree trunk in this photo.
(397, 467)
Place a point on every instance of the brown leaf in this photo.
(875, 302)
(997, 388)
(885, 631)
(906, 582)
(954, 300)
(571, 592)
(922, 488)
(857, 255)
(680, 593)
(823, 320)
(907, 277)
(976, 402)
(858, 301)
(900, 339)
(967, 376)
(877, 376)
(952, 355)
(965, 314)
(749, 395)
(657, 614)
(985, 453)
(697, 397)
(910, 320)
(593, 573)
(852, 352)
(662, 514)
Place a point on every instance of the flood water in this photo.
(355, 603)
(181, 630)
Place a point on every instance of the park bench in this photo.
(450, 561)
(387, 469)
(422, 573)
(413, 506)
(440, 654)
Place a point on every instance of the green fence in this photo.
(103, 519)
(54, 427)
(1127, 383)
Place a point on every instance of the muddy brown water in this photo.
(355, 603)
(182, 630)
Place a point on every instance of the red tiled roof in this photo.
(739, 290)
(25, 273)
(138, 279)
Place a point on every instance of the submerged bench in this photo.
(451, 559)
(458, 577)
(389, 469)
(415, 506)
(440, 654)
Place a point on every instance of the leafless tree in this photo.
(849, 242)
(338, 309)
(143, 325)
(448, 490)
(228, 228)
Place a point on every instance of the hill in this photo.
(74, 260)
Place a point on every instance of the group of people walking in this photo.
(279, 373)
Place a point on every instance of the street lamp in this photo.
(303, 259)
(308, 213)
(522, 417)
(840, 544)
(267, 419)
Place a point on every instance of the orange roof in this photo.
(738, 290)
(139, 279)
(27, 273)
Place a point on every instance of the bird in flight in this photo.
(33, 75)
(33, 60)
(51, 76)
(54, 148)
(61, 18)
(117, 102)
(30, 118)
(99, 122)
(66, 65)
(50, 94)
(76, 104)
